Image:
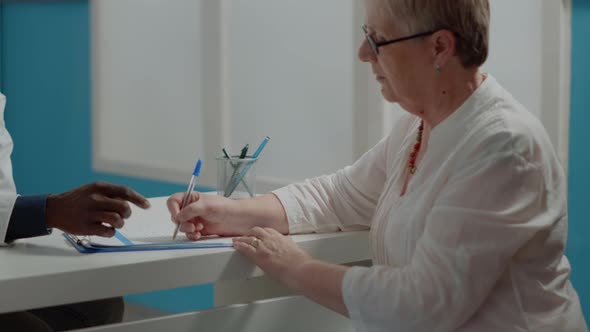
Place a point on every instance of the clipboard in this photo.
(88, 246)
(145, 230)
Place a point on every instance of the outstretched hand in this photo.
(93, 209)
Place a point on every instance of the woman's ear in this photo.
(444, 46)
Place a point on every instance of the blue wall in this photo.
(579, 165)
(45, 74)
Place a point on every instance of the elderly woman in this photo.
(465, 199)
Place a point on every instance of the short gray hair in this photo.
(469, 20)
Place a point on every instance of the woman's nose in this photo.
(365, 52)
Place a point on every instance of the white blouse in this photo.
(7, 187)
(477, 241)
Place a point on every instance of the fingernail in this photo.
(200, 227)
(187, 227)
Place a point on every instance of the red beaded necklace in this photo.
(417, 146)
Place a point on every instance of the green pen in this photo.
(244, 151)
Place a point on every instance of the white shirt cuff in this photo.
(295, 215)
(351, 296)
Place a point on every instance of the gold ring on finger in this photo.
(255, 242)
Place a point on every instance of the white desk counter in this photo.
(48, 271)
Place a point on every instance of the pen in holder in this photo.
(236, 177)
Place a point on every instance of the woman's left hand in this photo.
(277, 255)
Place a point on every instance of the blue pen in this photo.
(187, 195)
(235, 183)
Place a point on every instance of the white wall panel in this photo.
(291, 76)
(148, 79)
(529, 56)
(178, 79)
(516, 43)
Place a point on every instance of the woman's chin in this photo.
(388, 96)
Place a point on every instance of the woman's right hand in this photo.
(205, 215)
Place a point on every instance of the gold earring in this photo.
(438, 69)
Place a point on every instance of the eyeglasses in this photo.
(375, 45)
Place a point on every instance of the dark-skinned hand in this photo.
(93, 209)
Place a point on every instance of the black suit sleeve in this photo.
(27, 218)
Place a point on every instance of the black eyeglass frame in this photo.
(375, 45)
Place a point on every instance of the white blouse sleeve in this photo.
(330, 202)
(347, 198)
(492, 206)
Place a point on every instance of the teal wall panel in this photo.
(578, 249)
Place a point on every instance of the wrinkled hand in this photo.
(204, 215)
(276, 254)
(92, 209)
